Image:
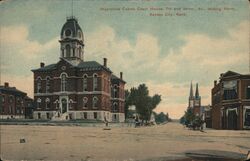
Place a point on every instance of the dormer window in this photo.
(68, 32)
(79, 34)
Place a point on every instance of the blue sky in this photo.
(164, 52)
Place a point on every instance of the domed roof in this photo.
(71, 28)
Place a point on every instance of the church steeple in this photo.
(72, 41)
(197, 91)
(191, 94)
(191, 97)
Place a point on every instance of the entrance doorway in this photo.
(64, 105)
(232, 119)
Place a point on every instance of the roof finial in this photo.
(72, 9)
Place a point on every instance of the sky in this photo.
(164, 52)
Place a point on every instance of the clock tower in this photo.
(72, 40)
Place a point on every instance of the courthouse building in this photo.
(74, 88)
(231, 101)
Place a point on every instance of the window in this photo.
(248, 92)
(95, 115)
(80, 51)
(115, 91)
(39, 103)
(115, 107)
(18, 110)
(79, 34)
(39, 85)
(68, 32)
(63, 82)
(11, 98)
(71, 104)
(39, 115)
(85, 83)
(85, 102)
(68, 50)
(48, 116)
(3, 98)
(230, 90)
(95, 102)
(47, 85)
(95, 82)
(47, 101)
(85, 115)
(10, 109)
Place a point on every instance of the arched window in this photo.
(38, 103)
(68, 50)
(74, 52)
(115, 107)
(85, 102)
(63, 82)
(39, 85)
(71, 104)
(115, 91)
(95, 82)
(95, 102)
(57, 103)
(85, 83)
(80, 51)
(47, 103)
(47, 84)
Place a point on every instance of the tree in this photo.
(143, 102)
(160, 118)
(127, 103)
(188, 116)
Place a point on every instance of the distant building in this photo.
(194, 101)
(74, 88)
(14, 104)
(206, 115)
(231, 101)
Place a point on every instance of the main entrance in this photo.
(63, 104)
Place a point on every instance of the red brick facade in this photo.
(231, 102)
(14, 103)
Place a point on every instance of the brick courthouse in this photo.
(76, 89)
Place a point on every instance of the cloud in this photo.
(15, 39)
(17, 50)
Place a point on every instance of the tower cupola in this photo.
(72, 40)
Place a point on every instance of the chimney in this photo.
(215, 82)
(42, 64)
(6, 84)
(105, 62)
(121, 75)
